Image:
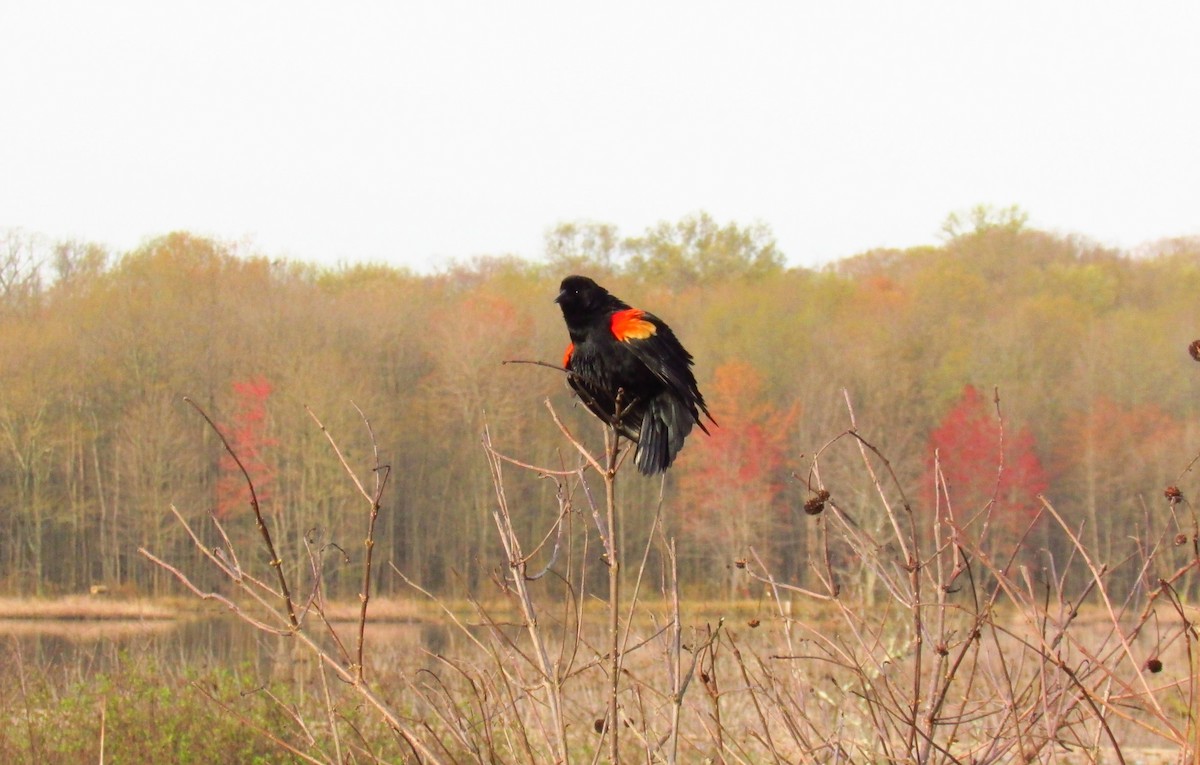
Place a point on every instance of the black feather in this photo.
(641, 384)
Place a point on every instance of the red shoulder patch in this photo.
(568, 354)
(629, 325)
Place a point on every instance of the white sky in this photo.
(409, 133)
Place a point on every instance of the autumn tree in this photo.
(478, 326)
(22, 258)
(1109, 458)
(1088, 345)
(985, 478)
(77, 263)
(732, 480)
(247, 433)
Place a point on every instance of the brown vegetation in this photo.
(84, 607)
(920, 561)
(934, 637)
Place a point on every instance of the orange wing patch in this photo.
(568, 354)
(629, 325)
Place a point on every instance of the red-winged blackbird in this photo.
(626, 357)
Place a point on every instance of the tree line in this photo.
(1004, 363)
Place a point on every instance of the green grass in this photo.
(143, 711)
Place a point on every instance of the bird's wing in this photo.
(654, 344)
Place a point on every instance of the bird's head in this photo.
(580, 297)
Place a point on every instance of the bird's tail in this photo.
(665, 425)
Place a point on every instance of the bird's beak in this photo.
(562, 294)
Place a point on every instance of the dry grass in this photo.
(102, 608)
(86, 607)
(84, 631)
(923, 639)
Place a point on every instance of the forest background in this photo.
(1085, 348)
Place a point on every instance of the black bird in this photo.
(625, 357)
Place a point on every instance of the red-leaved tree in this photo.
(982, 484)
(731, 480)
(1103, 447)
(247, 435)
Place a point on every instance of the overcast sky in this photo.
(411, 133)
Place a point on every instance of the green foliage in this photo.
(583, 247)
(693, 252)
(697, 251)
(981, 219)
